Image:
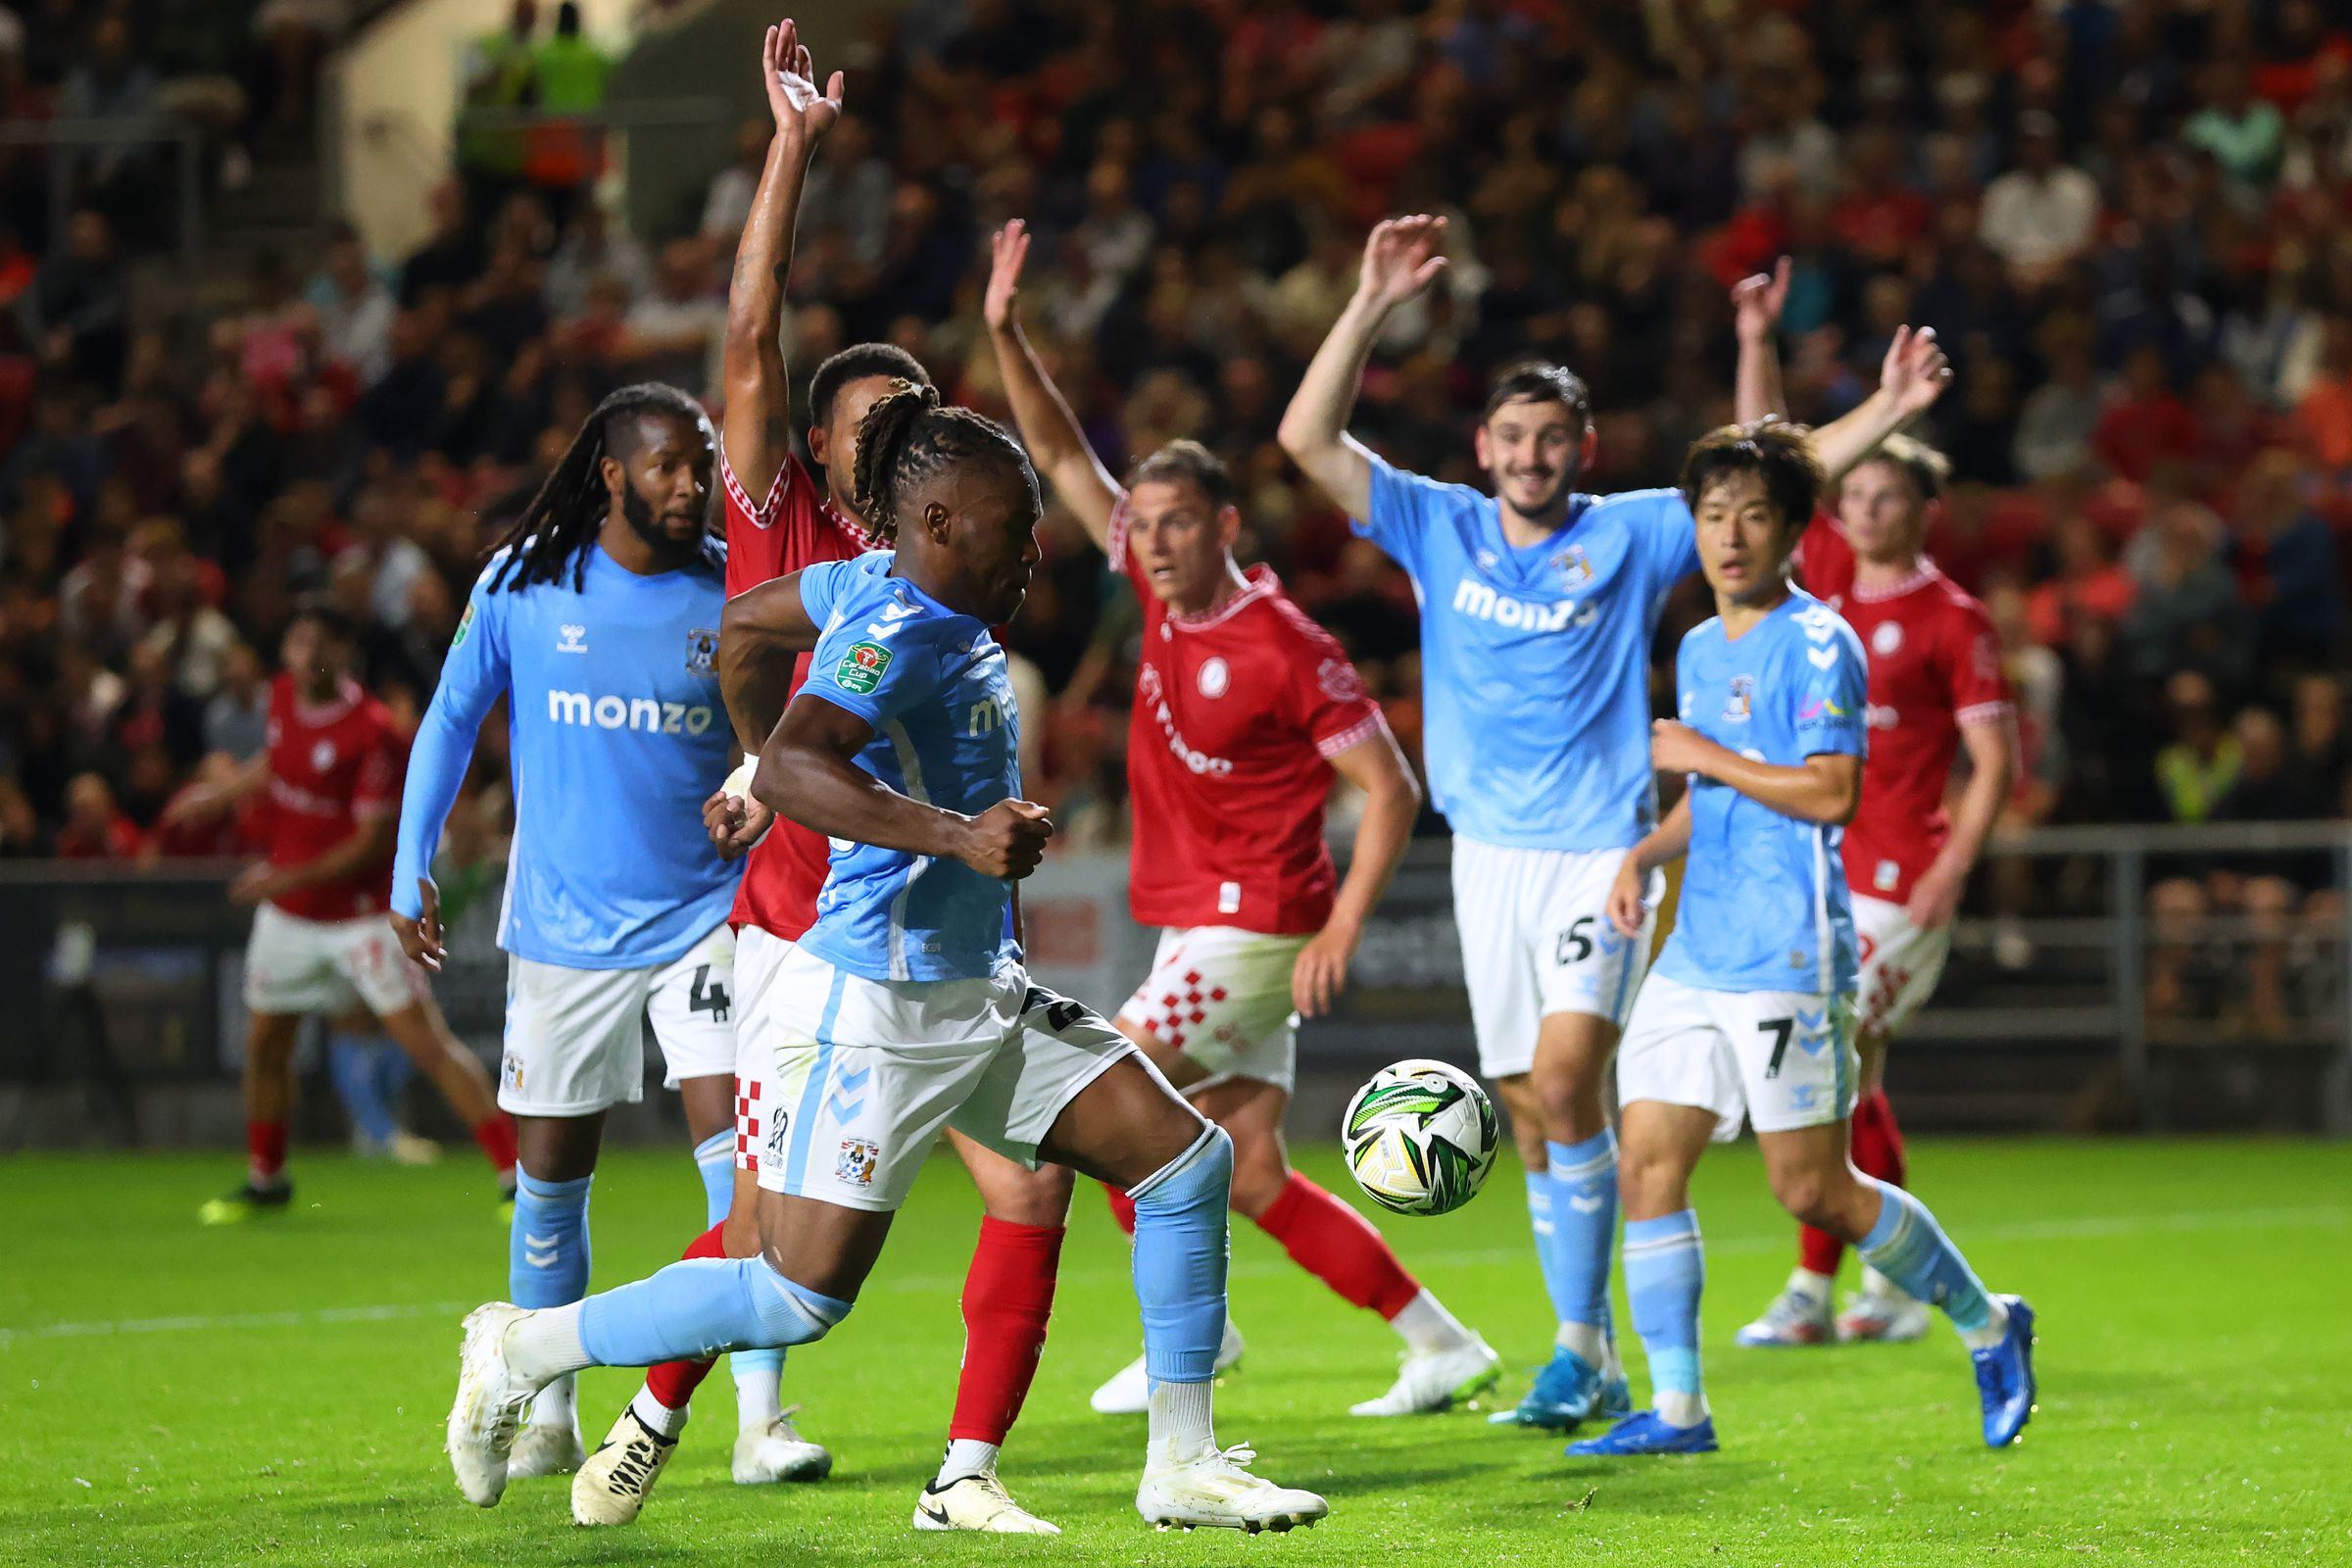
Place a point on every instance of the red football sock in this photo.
(496, 1133)
(1339, 1247)
(265, 1151)
(1877, 1150)
(1123, 1208)
(673, 1381)
(1008, 1297)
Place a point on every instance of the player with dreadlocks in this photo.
(906, 1008)
(597, 619)
(783, 515)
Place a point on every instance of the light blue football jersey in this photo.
(936, 688)
(1535, 661)
(1764, 903)
(618, 736)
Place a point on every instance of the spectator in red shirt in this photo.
(2146, 422)
(95, 828)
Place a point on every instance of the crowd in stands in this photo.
(2129, 220)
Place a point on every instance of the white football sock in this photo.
(659, 1418)
(554, 1408)
(546, 1342)
(1995, 1330)
(1816, 1287)
(758, 1394)
(1182, 1424)
(1426, 1326)
(966, 1456)
(1680, 1409)
(1585, 1340)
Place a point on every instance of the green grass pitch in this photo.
(274, 1394)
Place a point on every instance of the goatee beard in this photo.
(639, 513)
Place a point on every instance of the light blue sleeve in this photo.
(820, 589)
(875, 669)
(1669, 539)
(475, 675)
(1832, 718)
(1403, 506)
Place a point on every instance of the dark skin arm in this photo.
(761, 635)
(807, 771)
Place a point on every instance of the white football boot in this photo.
(977, 1502)
(777, 1452)
(613, 1486)
(545, 1448)
(1214, 1488)
(492, 1400)
(1436, 1380)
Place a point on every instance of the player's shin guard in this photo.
(1008, 1299)
(692, 1309)
(1584, 1227)
(1909, 1247)
(1339, 1247)
(1180, 1261)
(1665, 1272)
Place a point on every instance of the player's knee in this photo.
(1811, 1196)
(1570, 1104)
(1039, 1197)
(1650, 1181)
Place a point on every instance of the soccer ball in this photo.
(1420, 1137)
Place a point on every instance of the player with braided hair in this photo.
(597, 619)
(906, 1008)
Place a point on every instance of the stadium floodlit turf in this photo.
(274, 1392)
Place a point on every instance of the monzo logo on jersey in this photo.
(645, 715)
(1478, 602)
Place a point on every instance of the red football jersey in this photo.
(1237, 713)
(795, 526)
(331, 768)
(1935, 666)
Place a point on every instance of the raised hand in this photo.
(1915, 372)
(1756, 303)
(1007, 252)
(800, 111)
(1007, 840)
(1401, 259)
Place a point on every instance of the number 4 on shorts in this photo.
(706, 998)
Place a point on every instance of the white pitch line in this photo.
(2090, 1227)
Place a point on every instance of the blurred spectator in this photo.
(2039, 216)
(95, 828)
(355, 310)
(2201, 763)
(77, 312)
(2325, 413)
(673, 335)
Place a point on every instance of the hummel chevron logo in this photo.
(900, 612)
(1819, 623)
(1823, 658)
(1587, 1206)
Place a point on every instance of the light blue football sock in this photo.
(1584, 1224)
(697, 1308)
(546, 1245)
(351, 1062)
(1665, 1271)
(1180, 1257)
(1909, 1247)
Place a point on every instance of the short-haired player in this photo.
(1539, 606)
(1244, 712)
(1937, 691)
(1748, 1014)
(322, 798)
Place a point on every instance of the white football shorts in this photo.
(294, 965)
(1222, 997)
(1783, 1059)
(1537, 940)
(856, 1077)
(1900, 963)
(575, 1037)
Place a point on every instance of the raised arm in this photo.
(1756, 303)
(1912, 377)
(1048, 429)
(808, 772)
(758, 434)
(1401, 259)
